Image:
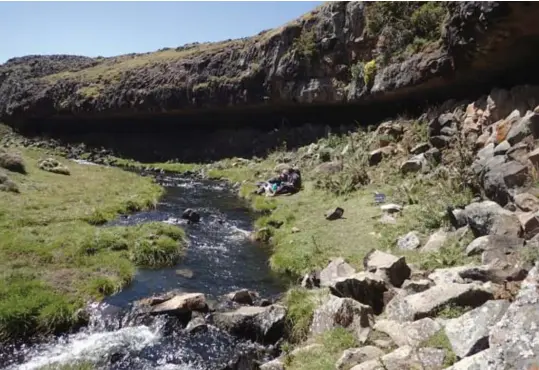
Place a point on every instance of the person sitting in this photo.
(291, 183)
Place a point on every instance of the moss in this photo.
(369, 72)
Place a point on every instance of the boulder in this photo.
(409, 241)
(518, 152)
(488, 217)
(529, 222)
(364, 287)
(337, 268)
(346, 313)
(196, 325)
(408, 333)
(533, 157)
(479, 361)
(524, 127)
(416, 286)
(493, 242)
(440, 141)
(433, 155)
(415, 164)
(334, 214)
(376, 156)
(427, 303)
(420, 148)
(276, 364)
(497, 273)
(407, 357)
(435, 241)
(354, 356)
(500, 177)
(261, 324)
(181, 304)
(468, 334)
(526, 202)
(190, 215)
(514, 340)
(242, 296)
(391, 208)
(502, 148)
(311, 280)
(392, 269)
(329, 168)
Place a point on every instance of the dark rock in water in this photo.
(242, 296)
(191, 215)
(261, 324)
(334, 214)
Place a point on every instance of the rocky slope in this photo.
(342, 52)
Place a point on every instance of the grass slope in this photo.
(54, 257)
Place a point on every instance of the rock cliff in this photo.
(341, 52)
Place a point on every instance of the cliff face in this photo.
(342, 52)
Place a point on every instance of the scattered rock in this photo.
(376, 156)
(479, 361)
(492, 242)
(409, 241)
(190, 215)
(523, 127)
(343, 312)
(242, 296)
(407, 357)
(337, 268)
(513, 339)
(408, 333)
(468, 334)
(295, 230)
(364, 287)
(52, 165)
(440, 141)
(329, 168)
(334, 214)
(534, 157)
(488, 217)
(416, 286)
(502, 148)
(518, 152)
(433, 155)
(186, 273)
(311, 280)
(388, 219)
(391, 208)
(261, 324)
(420, 148)
(181, 304)
(436, 241)
(196, 325)
(527, 202)
(354, 356)
(424, 304)
(392, 269)
(415, 164)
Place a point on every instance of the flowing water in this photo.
(220, 258)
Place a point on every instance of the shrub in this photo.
(12, 162)
(427, 20)
(369, 72)
(7, 185)
(305, 44)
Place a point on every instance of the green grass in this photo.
(301, 304)
(52, 256)
(323, 358)
(174, 167)
(440, 340)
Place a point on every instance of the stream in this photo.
(219, 259)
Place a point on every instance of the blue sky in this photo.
(112, 28)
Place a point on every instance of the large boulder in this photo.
(261, 324)
(488, 217)
(346, 313)
(392, 269)
(493, 242)
(364, 287)
(436, 241)
(514, 340)
(409, 241)
(479, 361)
(427, 303)
(468, 334)
(336, 269)
(354, 356)
(408, 333)
(527, 202)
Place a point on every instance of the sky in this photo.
(114, 28)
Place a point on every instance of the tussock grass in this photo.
(323, 358)
(53, 259)
(301, 304)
